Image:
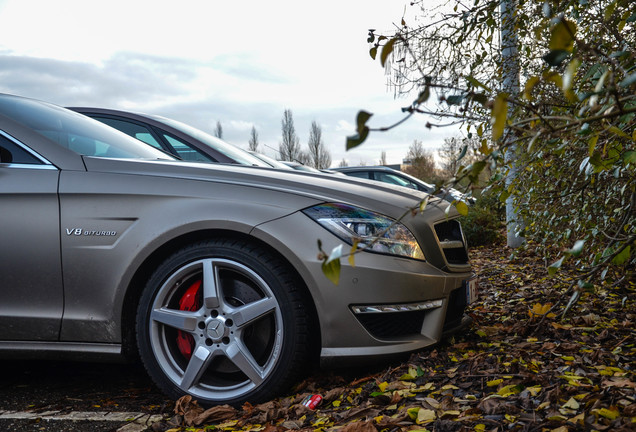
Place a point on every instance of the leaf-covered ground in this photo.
(520, 367)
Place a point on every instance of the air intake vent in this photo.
(451, 240)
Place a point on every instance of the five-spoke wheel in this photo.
(223, 322)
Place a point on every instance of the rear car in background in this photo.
(173, 137)
(391, 176)
(209, 272)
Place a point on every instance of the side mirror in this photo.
(5, 155)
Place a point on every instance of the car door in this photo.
(31, 296)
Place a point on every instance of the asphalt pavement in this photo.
(53, 396)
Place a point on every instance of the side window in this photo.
(135, 130)
(393, 179)
(187, 152)
(359, 174)
(10, 152)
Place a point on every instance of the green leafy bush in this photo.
(484, 223)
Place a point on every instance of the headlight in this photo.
(374, 231)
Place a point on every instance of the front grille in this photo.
(394, 324)
(451, 239)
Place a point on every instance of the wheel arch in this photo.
(147, 267)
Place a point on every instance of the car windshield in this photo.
(273, 162)
(74, 131)
(229, 150)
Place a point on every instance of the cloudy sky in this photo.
(241, 63)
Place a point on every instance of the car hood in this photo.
(315, 187)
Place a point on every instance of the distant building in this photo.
(405, 163)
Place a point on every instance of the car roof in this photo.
(366, 168)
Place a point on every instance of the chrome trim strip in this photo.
(452, 244)
(25, 148)
(63, 347)
(29, 166)
(390, 308)
(327, 354)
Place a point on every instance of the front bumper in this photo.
(422, 295)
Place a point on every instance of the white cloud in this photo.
(201, 61)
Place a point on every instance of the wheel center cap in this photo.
(216, 330)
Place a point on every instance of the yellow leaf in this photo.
(571, 404)
(553, 77)
(485, 149)
(508, 390)
(412, 412)
(527, 91)
(336, 403)
(461, 207)
(425, 387)
(494, 383)
(609, 413)
(450, 387)
(405, 393)
(617, 131)
(321, 421)
(579, 419)
(425, 416)
(386, 50)
(562, 37)
(561, 326)
(543, 405)
(423, 203)
(354, 247)
(539, 309)
(571, 377)
(499, 115)
(568, 79)
(382, 386)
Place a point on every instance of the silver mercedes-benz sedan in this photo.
(209, 273)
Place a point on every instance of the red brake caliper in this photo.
(191, 301)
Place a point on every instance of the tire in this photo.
(223, 321)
